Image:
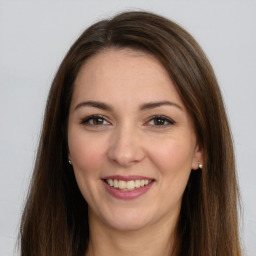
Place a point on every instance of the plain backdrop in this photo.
(35, 35)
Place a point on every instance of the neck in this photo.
(150, 241)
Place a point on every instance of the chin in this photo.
(126, 220)
(128, 225)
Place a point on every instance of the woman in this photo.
(135, 156)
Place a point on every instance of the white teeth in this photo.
(110, 183)
(122, 184)
(127, 185)
(130, 185)
(116, 183)
(137, 183)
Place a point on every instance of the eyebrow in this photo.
(95, 104)
(146, 106)
(156, 104)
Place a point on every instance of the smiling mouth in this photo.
(127, 185)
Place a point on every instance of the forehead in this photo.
(124, 75)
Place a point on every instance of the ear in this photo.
(69, 157)
(198, 157)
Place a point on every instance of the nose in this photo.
(126, 147)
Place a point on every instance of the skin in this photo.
(128, 140)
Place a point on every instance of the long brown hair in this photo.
(55, 220)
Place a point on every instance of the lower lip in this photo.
(126, 195)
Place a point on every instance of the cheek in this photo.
(173, 156)
(173, 162)
(87, 156)
(86, 152)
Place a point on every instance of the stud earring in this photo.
(70, 162)
(200, 166)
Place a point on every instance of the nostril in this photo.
(126, 156)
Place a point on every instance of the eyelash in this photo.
(165, 121)
(93, 117)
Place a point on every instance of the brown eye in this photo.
(95, 120)
(160, 121)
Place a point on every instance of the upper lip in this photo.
(127, 178)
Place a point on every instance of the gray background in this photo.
(34, 36)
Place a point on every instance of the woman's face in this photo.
(131, 140)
